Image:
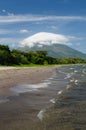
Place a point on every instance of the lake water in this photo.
(69, 109)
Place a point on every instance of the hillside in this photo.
(56, 50)
(56, 45)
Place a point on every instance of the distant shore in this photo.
(12, 76)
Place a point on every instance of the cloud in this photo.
(3, 10)
(10, 14)
(8, 31)
(44, 38)
(24, 31)
(10, 41)
(5, 13)
(11, 18)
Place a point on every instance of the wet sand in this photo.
(11, 76)
(20, 111)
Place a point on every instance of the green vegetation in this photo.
(39, 57)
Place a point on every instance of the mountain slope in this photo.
(55, 44)
(56, 50)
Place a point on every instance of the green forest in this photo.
(40, 57)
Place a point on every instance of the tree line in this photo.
(40, 57)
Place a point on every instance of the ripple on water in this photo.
(70, 107)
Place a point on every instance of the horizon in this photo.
(22, 19)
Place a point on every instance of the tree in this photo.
(18, 57)
(5, 58)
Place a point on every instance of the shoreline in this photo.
(21, 111)
(45, 108)
(12, 76)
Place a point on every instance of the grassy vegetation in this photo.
(32, 65)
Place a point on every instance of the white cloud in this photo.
(10, 41)
(11, 18)
(8, 31)
(3, 10)
(44, 38)
(10, 14)
(6, 13)
(24, 31)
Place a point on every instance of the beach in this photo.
(43, 98)
(12, 76)
(19, 111)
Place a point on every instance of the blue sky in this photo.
(20, 19)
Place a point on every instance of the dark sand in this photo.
(20, 112)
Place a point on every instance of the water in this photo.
(69, 109)
(28, 87)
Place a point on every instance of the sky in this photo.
(20, 19)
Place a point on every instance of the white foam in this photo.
(68, 86)
(76, 82)
(75, 71)
(60, 92)
(41, 114)
(72, 80)
(71, 68)
(68, 76)
(53, 100)
(84, 71)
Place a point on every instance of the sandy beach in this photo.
(12, 76)
(20, 111)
